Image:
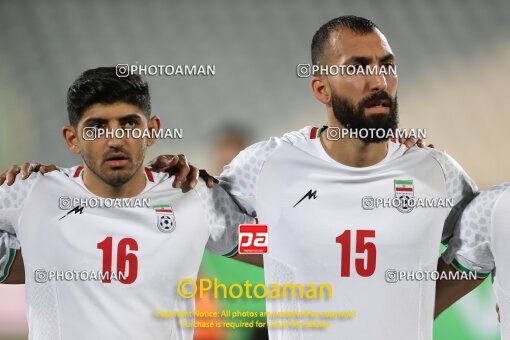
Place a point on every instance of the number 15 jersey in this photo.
(324, 228)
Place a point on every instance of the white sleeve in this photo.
(239, 178)
(12, 200)
(9, 245)
(470, 247)
(224, 218)
(459, 187)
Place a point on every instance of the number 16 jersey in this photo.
(110, 272)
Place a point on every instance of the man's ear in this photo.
(321, 89)
(153, 124)
(71, 137)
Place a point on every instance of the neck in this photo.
(98, 187)
(354, 152)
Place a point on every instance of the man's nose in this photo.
(377, 83)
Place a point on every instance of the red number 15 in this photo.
(364, 266)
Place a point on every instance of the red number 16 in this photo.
(126, 262)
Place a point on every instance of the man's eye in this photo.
(130, 125)
(389, 65)
(98, 126)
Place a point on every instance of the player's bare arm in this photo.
(17, 271)
(178, 165)
(11, 261)
(450, 291)
(254, 259)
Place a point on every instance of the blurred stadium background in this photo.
(453, 64)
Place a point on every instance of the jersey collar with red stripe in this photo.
(316, 132)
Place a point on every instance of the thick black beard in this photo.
(353, 118)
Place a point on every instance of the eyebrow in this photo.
(367, 60)
(99, 121)
(94, 121)
(132, 116)
(387, 57)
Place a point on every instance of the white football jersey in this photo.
(126, 261)
(480, 244)
(320, 233)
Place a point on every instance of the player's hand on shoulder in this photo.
(186, 175)
(25, 170)
(410, 142)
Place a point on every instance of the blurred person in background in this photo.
(229, 138)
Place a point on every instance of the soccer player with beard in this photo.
(309, 190)
(129, 259)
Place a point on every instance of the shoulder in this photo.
(292, 137)
(443, 159)
(485, 202)
(453, 172)
(478, 215)
(255, 155)
(21, 187)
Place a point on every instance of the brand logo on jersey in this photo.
(75, 210)
(310, 194)
(404, 190)
(253, 239)
(166, 218)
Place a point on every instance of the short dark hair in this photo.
(353, 23)
(102, 86)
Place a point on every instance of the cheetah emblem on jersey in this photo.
(166, 218)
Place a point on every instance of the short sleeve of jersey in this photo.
(239, 178)
(459, 187)
(469, 249)
(224, 218)
(9, 244)
(12, 199)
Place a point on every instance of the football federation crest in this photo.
(404, 192)
(166, 218)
